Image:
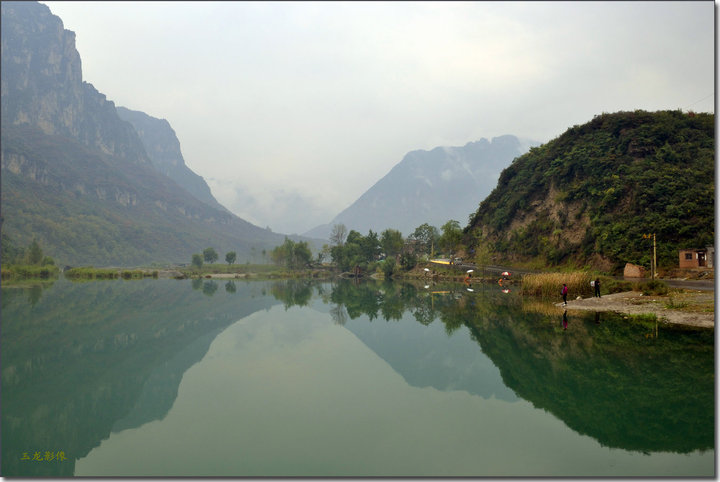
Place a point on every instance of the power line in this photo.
(706, 97)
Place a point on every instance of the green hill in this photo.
(81, 180)
(85, 207)
(588, 196)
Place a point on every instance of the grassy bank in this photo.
(25, 272)
(548, 285)
(256, 271)
(90, 273)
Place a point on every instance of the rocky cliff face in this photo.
(42, 84)
(163, 148)
(78, 178)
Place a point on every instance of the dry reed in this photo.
(549, 285)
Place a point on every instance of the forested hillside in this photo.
(589, 196)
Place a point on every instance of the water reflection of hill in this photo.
(426, 356)
(89, 358)
(610, 380)
(614, 380)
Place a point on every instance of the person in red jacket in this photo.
(564, 293)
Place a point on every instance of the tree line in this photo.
(388, 250)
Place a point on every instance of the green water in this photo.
(292, 378)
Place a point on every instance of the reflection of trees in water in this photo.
(607, 380)
(338, 314)
(230, 287)
(34, 291)
(293, 292)
(209, 288)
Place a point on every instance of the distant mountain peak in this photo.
(430, 186)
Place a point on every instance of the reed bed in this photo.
(91, 273)
(548, 285)
(29, 272)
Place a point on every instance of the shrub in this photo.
(389, 267)
(408, 261)
(616, 286)
(653, 287)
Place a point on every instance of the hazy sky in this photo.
(292, 110)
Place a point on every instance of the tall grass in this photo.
(29, 272)
(549, 285)
(91, 273)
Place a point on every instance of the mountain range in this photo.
(93, 183)
(430, 187)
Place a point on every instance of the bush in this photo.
(653, 287)
(616, 286)
(408, 261)
(389, 267)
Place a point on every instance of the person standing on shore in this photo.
(564, 293)
(597, 287)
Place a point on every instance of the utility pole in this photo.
(654, 258)
(653, 262)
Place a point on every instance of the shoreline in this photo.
(635, 303)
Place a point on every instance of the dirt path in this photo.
(689, 308)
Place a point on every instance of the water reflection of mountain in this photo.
(89, 358)
(629, 385)
(426, 356)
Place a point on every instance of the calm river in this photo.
(293, 378)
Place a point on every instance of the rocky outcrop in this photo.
(42, 85)
(163, 148)
(78, 178)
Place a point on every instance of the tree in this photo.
(358, 250)
(210, 255)
(324, 253)
(34, 253)
(427, 236)
(337, 235)
(291, 254)
(301, 255)
(451, 235)
(230, 257)
(197, 260)
(391, 241)
(370, 246)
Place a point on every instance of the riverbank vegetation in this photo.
(548, 285)
(20, 263)
(90, 273)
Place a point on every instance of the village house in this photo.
(697, 258)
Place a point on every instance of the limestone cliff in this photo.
(42, 84)
(163, 148)
(78, 178)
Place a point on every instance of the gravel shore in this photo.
(689, 309)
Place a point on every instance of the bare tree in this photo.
(337, 235)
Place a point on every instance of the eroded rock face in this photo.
(42, 84)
